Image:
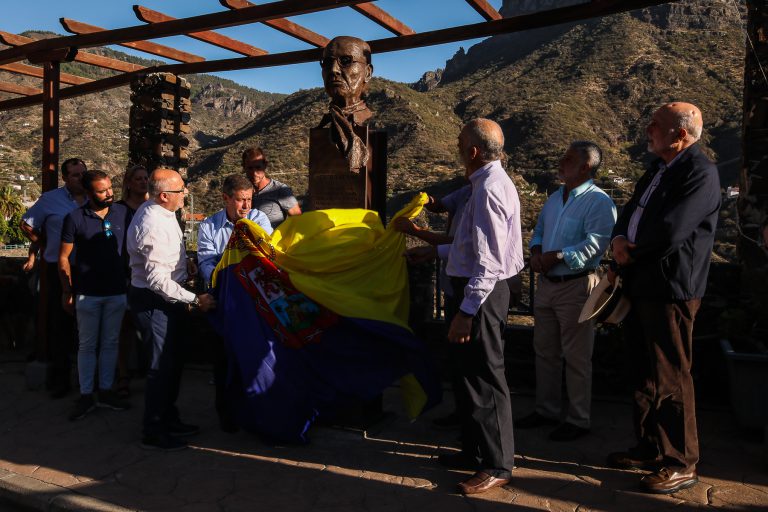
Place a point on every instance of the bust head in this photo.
(347, 69)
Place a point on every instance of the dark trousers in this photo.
(660, 337)
(61, 332)
(484, 402)
(159, 323)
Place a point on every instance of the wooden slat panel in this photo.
(149, 16)
(485, 9)
(77, 27)
(86, 58)
(254, 14)
(35, 71)
(286, 27)
(476, 30)
(383, 18)
(19, 89)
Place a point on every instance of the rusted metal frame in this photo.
(383, 18)
(86, 58)
(149, 16)
(285, 26)
(23, 69)
(578, 12)
(483, 29)
(50, 157)
(19, 89)
(485, 9)
(78, 27)
(254, 14)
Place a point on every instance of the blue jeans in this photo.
(98, 323)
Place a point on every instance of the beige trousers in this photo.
(559, 338)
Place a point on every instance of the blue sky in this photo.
(404, 66)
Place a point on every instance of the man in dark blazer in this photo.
(662, 243)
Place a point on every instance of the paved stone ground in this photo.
(49, 463)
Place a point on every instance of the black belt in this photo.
(568, 277)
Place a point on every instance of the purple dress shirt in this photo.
(488, 245)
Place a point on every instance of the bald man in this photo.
(662, 244)
(485, 252)
(158, 302)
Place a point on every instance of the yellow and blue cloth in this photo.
(315, 316)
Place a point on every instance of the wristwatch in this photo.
(559, 255)
(191, 306)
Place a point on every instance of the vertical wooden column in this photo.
(50, 156)
(753, 180)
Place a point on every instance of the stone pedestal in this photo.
(332, 184)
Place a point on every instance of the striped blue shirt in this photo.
(580, 228)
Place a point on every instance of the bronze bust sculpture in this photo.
(347, 69)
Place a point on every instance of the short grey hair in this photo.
(156, 186)
(590, 153)
(686, 119)
(234, 183)
(489, 146)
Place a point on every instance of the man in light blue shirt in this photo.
(570, 237)
(214, 232)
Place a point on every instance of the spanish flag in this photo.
(314, 318)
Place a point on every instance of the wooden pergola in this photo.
(47, 54)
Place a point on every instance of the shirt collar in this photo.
(163, 211)
(484, 171)
(664, 166)
(578, 190)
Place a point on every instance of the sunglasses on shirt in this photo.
(107, 227)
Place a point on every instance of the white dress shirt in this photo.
(157, 253)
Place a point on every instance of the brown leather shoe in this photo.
(481, 482)
(669, 480)
(630, 460)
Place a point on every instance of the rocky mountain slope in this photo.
(95, 127)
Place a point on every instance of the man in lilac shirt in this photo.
(486, 250)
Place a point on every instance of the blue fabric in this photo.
(213, 235)
(99, 261)
(98, 326)
(580, 228)
(279, 391)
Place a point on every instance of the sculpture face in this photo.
(346, 71)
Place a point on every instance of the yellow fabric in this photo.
(343, 259)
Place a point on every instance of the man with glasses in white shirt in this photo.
(158, 301)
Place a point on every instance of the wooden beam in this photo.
(19, 89)
(50, 157)
(149, 16)
(77, 27)
(483, 29)
(286, 27)
(254, 14)
(86, 58)
(37, 72)
(383, 18)
(485, 9)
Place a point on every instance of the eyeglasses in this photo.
(107, 227)
(256, 167)
(175, 191)
(344, 61)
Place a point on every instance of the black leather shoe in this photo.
(458, 460)
(632, 459)
(669, 480)
(448, 422)
(481, 482)
(567, 432)
(534, 420)
(179, 429)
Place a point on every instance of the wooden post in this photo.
(50, 157)
(753, 180)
